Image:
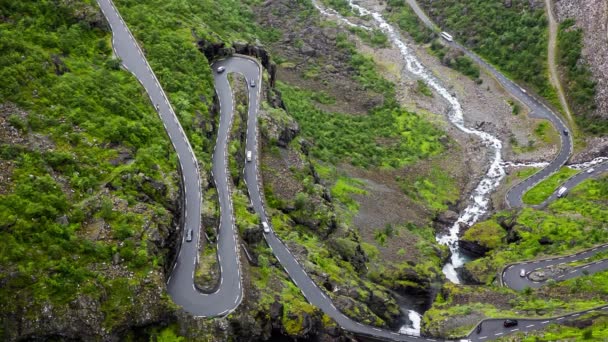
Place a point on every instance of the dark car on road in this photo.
(509, 323)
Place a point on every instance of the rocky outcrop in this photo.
(218, 50)
(592, 17)
(473, 248)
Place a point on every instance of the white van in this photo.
(248, 156)
(447, 36)
(189, 235)
(266, 227)
(562, 191)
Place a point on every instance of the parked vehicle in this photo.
(522, 273)
(510, 323)
(221, 69)
(447, 36)
(266, 227)
(562, 191)
(189, 235)
(248, 156)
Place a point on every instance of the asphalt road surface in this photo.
(538, 110)
(573, 181)
(494, 328)
(510, 276)
(181, 282)
(229, 293)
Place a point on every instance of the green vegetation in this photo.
(488, 234)
(456, 60)
(405, 18)
(398, 276)
(366, 70)
(544, 189)
(589, 327)
(341, 6)
(374, 38)
(408, 21)
(541, 131)
(436, 190)
(423, 88)
(513, 38)
(569, 224)
(515, 106)
(70, 206)
(388, 136)
(342, 190)
(578, 82)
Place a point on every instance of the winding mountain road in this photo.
(181, 286)
(511, 274)
(229, 293)
(575, 180)
(538, 110)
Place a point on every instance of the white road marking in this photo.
(529, 326)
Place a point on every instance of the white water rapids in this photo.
(581, 166)
(478, 201)
(414, 328)
(479, 198)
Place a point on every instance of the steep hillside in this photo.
(89, 192)
(583, 52)
(510, 34)
(87, 259)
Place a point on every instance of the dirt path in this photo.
(553, 75)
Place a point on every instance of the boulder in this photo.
(447, 217)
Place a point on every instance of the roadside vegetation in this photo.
(389, 136)
(568, 225)
(578, 81)
(405, 18)
(589, 327)
(544, 189)
(89, 176)
(513, 38)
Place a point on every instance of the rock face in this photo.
(592, 17)
(473, 248)
(217, 50)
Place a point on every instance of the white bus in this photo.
(447, 36)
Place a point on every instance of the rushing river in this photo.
(479, 199)
(478, 202)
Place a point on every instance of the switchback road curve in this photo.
(181, 286)
(229, 293)
(538, 110)
(250, 68)
(573, 181)
(510, 276)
